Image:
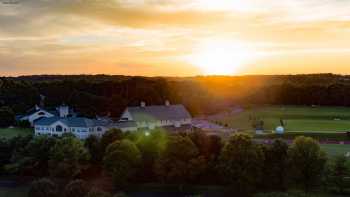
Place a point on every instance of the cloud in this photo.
(61, 35)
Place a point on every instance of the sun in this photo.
(221, 57)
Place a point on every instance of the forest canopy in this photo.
(92, 95)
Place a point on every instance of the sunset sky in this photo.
(174, 37)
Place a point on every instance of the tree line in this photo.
(243, 166)
(109, 95)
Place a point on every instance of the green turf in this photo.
(317, 119)
(13, 132)
(13, 192)
(335, 149)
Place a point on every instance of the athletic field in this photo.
(296, 119)
(13, 132)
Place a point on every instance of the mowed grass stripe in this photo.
(297, 119)
(13, 132)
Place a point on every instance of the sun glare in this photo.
(221, 58)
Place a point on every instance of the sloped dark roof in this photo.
(158, 112)
(36, 109)
(124, 124)
(70, 122)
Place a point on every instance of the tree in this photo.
(7, 117)
(92, 143)
(340, 170)
(23, 124)
(5, 153)
(275, 166)
(150, 146)
(180, 162)
(241, 163)
(76, 188)
(307, 161)
(120, 195)
(68, 157)
(34, 158)
(43, 188)
(94, 192)
(208, 145)
(121, 161)
(18, 153)
(109, 137)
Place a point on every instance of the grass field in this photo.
(12, 132)
(13, 192)
(335, 149)
(311, 119)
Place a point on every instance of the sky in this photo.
(174, 37)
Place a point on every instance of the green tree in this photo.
(94, 192)
(18, 153)
(307, 161)
(340, 170)
(92, 143)
(180, 163)
(7, 117)
(43, 188)
(68, 157)
(34, 158)
(5, 153)
(120, 195)
(76, 188)
(241, 163)
(275, 166)
(109, 137)
(121, 161)
(150, 146)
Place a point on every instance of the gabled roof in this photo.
(36, 109)
(70, 122)
(158, 112)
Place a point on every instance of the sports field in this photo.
(296, 119)
(13, 132)
(336, 149)
(13, 192)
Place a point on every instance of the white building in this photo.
(36, 113)
(80, 127)
(143, 117)
(153, 116)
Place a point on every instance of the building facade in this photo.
(168, 116)
(150, 117)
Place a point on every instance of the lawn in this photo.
(336, 149)
(296, 119)
(12, 132)
(13, 192)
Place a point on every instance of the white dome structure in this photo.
(279, 130)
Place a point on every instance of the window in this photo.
(99, 129)
(41, 113)
(59, 128)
